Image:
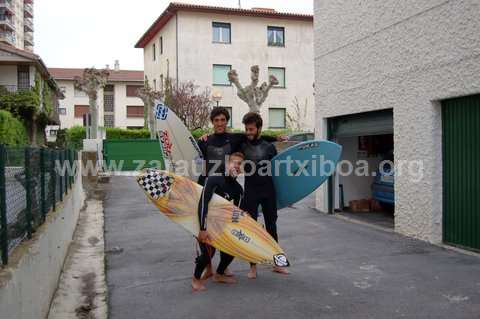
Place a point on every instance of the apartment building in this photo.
(16, 23)
(203, 43)
(118, 104)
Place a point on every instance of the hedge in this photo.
(12, 130)
(76, 134)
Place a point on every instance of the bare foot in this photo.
(228, 273)
(208, 273)
(197, 285)
(252, 274)
(280, 270)
(224, 279)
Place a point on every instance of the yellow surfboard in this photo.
(231, 230)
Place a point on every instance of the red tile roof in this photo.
(174, 7)
(115, 76)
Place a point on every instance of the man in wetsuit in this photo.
(227, 187)
(217, 146)
(259, 188)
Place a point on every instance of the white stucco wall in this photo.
(120, 99)
(8, 75)
(166, 62)
(406, 55)
(197, 53)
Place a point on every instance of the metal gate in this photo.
(461, 171)
(132, 154)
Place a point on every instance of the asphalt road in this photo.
(339, 270)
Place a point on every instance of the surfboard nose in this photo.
(156, 183)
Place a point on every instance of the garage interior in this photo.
(367, 197)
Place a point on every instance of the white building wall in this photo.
(121, 102)
(8, 75)
(165, 63)
(197, 53)
(406, 55)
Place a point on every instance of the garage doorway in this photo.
(363, 188)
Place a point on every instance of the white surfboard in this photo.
(180, 150)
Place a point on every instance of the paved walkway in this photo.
(340, 270)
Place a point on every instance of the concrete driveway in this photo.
(339, 270)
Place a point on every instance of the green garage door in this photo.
(461, 171)
(130, 155)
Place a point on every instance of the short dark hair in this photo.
(237, 154)
(253, 118)
(216, 111)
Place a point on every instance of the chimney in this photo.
(117, 65)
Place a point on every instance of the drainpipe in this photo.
(176, 35)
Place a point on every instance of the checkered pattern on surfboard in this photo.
(156, 183)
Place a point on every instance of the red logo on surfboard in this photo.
(166, 144)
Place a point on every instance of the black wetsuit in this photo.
(230, 189)
(217, 147)
(259, 188)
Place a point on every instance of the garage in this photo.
(461, 172)
(363, 187)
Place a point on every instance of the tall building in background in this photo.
(16, 23)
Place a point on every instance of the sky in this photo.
(86, 33)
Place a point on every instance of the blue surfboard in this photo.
(300, 169)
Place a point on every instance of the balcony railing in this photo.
(28, 38)
(7, 22)
(28, 10)
(7, 37)
(8, 6)
(28, 25)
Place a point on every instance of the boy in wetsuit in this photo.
(227, 187)
(216, 147)
(259, 188)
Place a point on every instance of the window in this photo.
(221, 32)
(276, 117)
(276, 36)
(79, 93)
(53, 132)
(161, 45)
(80, 110)
(279, 73)
(155, 84)
(154, 52)
(23, 73)
(132, 90)
(135, 111)
(62, 111)
(109, 120)
(220, 74)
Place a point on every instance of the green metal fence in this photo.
(32, 181)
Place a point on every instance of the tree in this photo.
(92, 81)
(148, 96)
(297, 118)
(191, 106)
(253, 95)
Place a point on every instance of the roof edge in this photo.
(174, 7)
